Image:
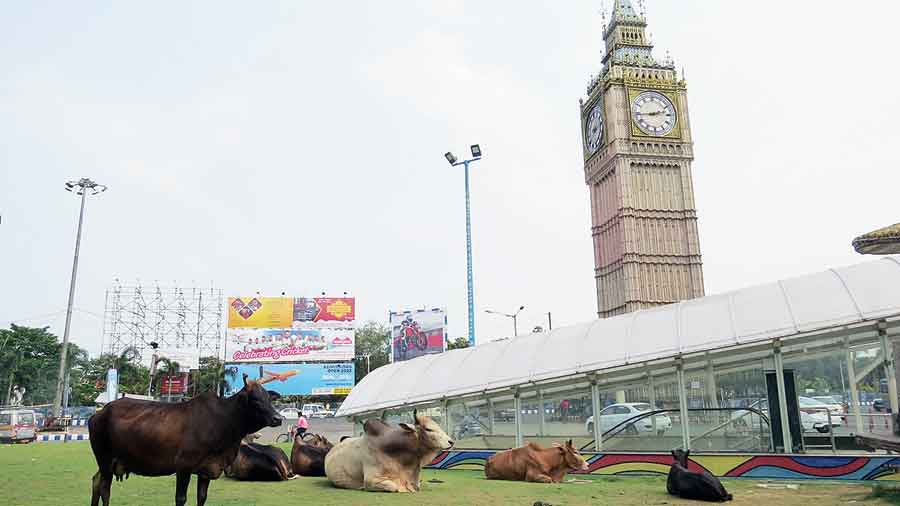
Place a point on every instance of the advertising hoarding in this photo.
(294, 379)
(292, 344)
(290, 329)
(417, 333)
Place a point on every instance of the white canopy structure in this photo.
(845, 299)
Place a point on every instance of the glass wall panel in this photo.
(556, 416)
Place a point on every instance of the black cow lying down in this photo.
(201, 436)
(701, 486)
(257, 462)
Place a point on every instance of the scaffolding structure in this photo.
(189, 319)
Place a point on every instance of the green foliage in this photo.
(211, 375)
(458, 343)
(29, 357)
(372, 339)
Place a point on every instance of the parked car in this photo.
(815, 421)
(504, 415)
(813, 407)
(314, 410)
(17, 425)
(879, 405)
(615, 414)
(290, 413)
(835, 406)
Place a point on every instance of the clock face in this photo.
(594, 129)
(653, 113)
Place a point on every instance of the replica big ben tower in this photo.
(637, 164)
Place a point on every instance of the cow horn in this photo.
(245, 379)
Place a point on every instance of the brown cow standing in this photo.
(533, 463)
(308, 454)
(200, 436)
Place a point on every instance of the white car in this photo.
(314, 410)
(616, 414)
(814, 421)
(290, 413)
(818, 404)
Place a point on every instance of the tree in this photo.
(458, 343)
(29, 357)
(211, 375)
(373, 345)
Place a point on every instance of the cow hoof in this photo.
(541, 503)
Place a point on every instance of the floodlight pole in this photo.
(82, 185)
(469, 276)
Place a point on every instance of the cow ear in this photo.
(273, 396)
(569, 443)
(416, 417)
(406, 427)
(674, 455)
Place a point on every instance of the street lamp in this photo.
(476, 155)
(513, 316)
(80, 187)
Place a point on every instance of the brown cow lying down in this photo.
(533, 463)
(386, 458)
(308, 454)
(256, 462)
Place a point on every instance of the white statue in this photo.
(17, 394)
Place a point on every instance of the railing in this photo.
(622, 428)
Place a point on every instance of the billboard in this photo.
(290, 329)
(294, 379)
(417, 333)
(291, 344)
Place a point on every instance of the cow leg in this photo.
(182, 480)
(202, 487)
(381, 484)
(100, 485)
(537, 477)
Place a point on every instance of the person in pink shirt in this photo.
(302, 426)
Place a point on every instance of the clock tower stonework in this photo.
(637, 164)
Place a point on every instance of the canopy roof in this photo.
(859, 293)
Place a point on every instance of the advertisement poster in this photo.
(324, 309)
(291, 344)
(260, 312)
(294, 379)
(417, 333)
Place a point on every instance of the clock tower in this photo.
(637, 165)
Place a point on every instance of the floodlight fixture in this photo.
(476, 150)
(450, 158)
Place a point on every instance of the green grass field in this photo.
(56, 474)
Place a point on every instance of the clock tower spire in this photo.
(638, 152)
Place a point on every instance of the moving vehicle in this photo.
(615, 414)
(879, 405)
(17, 425)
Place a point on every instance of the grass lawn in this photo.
(57, 474)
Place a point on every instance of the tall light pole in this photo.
(476, 155)
(80, 187)
(514, 316)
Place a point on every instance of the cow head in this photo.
(681, 456)
(572, 458)
(429, 433)
(260, 402)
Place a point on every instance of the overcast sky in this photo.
(298, 147)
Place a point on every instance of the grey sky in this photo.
(298, 146)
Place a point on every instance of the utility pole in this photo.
(80, 187)
(549, 321)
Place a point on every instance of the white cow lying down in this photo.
(386, 458)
